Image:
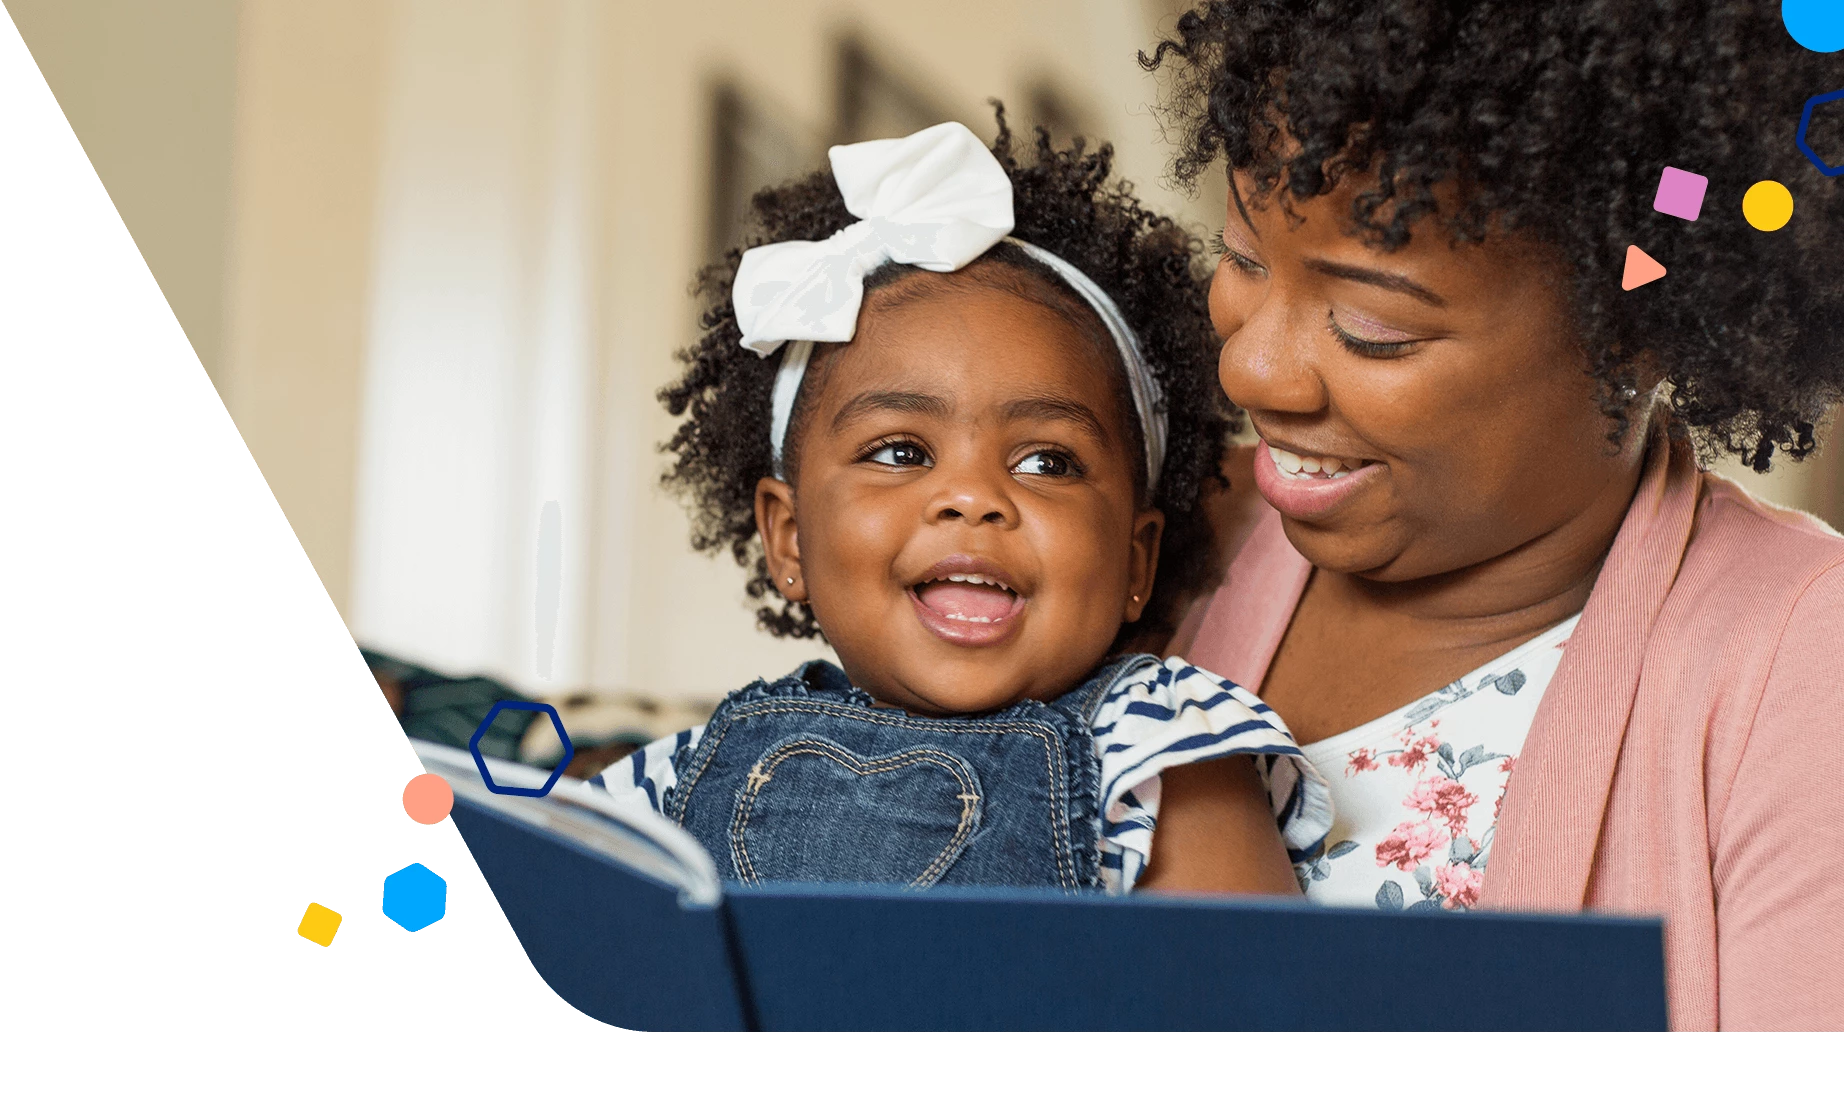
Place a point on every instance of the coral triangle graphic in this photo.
(1640, 269)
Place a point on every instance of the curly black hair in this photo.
(1555, 119)
(1063, 202)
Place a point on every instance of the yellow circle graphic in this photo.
(1767, 205)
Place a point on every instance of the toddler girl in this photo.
(956, 412)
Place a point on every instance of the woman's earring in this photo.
(790, 581)
(1136, 598)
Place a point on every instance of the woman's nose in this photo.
(1266, 363)
(973, 494)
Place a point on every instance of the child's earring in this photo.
(1136, 598)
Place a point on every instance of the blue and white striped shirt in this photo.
(1166, 714)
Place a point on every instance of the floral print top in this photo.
(1418, 791)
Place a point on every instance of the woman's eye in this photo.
(901, 454)
(1243, 263)
(1236, 258)
(1370, 349)
(1054, 464)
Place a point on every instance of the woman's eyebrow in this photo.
(1055, 409)
(1241, 210)
(902, 401)
(1380, 278)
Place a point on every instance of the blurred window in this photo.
(1054, 109)
(875, 99)
(754, 147)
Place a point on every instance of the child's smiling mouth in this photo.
(968, 598)
(967, 601)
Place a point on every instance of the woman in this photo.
(1548, 662)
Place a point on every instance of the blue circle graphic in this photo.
(1814, 24)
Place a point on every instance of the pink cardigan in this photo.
(1687, 760)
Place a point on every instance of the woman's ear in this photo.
(1644, 398)
(1649, 371)
(1143, 568)
(780, 537)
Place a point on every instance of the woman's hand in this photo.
(1216, 833)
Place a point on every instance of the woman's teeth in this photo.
(1311, 467)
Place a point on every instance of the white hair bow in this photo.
(937, 200)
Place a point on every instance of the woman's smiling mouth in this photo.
(1310, 487)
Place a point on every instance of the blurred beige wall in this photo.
(149, 88)
(300, 246)
(1815, 485)
(251, 146)
(238, 141)
(435, 254)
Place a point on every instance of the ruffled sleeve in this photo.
(644, 776)
(1171, 713)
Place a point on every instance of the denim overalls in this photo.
(802, 779)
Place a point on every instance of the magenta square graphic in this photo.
(1680, 193)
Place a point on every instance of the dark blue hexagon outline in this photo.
(1805, 121)
(473, 746)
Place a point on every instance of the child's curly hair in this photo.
(1557, 118)
(1064, 203)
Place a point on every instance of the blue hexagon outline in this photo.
(1805, 121)
(480, 762)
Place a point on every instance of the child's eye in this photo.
(900, 454)
(1054, 464)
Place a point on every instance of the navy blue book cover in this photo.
(626, 948)
(984, 960)
(615, 944)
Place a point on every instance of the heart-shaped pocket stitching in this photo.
(812, 810)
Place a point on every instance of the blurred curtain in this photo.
(480, 393)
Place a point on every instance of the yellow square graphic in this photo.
(320, 924)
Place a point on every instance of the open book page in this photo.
(632, 836)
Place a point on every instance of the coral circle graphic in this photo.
(428, 798)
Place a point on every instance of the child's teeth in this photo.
(978, 581)
(1299, 468)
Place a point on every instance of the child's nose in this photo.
(972, 495)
